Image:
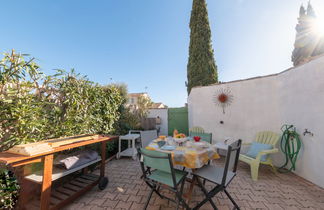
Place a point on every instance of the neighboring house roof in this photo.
(158, 106)
(136, 94)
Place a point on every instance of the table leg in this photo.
(134, 149)
(188, 195)
(47, 182)
(103, 159)
(119, 148)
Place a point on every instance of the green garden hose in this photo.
(290, 145)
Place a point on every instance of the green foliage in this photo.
(143, 105)
(201, 68)
(21, 113)
(9, 189)
(85, 107)
(34, 107)
(127, 121)
(129, 118)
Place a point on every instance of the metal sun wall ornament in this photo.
(223, 98)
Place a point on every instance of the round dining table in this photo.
(189, 154)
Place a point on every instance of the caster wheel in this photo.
(103, 182)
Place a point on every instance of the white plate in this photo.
(168, 147)
(200, 144)
(180, 140)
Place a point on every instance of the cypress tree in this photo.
(201, 68)
(298, 53)
(308, 43)
(317, 40)
(310, 11)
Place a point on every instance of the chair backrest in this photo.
(232, 157)
(197, 129)
(267, 137)
(147, 137)
(204, 136)
(134, 132)
(156, 160)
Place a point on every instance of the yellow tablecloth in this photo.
(190, 155)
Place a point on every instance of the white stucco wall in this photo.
(163, 114)
(295, 96)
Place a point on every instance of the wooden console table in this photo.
(71, 190)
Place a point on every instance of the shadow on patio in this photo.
(272, 191)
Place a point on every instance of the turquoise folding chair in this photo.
(158, 172)
(220, 176)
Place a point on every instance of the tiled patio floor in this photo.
(281, 191)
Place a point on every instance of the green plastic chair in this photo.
(204, 136)
(265, 137)
(196, 130)
(158, 170)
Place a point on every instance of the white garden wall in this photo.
(295, 96)
(163, 114)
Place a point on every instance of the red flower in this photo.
(197, 138)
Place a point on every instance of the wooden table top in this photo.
(10, 158)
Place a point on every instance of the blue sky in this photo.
(144, 43)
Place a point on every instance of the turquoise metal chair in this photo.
(204, 136)
(158, 172)
(220, 176)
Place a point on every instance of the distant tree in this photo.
(317, 40)
(308, 42)
(143, 105)
(201, 68)
(129, 119)
(298, 53)
(310, 10)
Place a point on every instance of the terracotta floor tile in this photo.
(272, 191)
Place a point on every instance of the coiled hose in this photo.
(290, 145)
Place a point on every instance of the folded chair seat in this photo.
(215, 174)
(166, 178)
(219, 176)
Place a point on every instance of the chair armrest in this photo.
(266, 152)
(245, 147)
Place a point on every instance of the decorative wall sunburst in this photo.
(223, 98)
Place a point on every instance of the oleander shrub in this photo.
(35, 106)
(9, 189)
